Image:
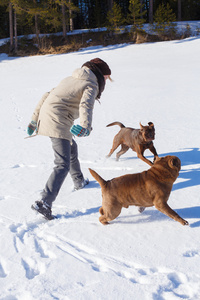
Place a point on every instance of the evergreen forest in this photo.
(25, 17)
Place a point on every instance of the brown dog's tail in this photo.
(116, 123)
(98, 178)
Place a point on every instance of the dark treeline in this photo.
(39, 16)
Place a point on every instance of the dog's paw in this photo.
(104, 223)
(141, 209)
(184, 222)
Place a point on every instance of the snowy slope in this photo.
(144, 256)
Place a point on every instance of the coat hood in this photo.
(85, 74)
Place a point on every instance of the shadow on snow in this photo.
(191, 175)
(189, 158)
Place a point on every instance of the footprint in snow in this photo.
(2, 272)
(31, 268)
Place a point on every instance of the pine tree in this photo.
(115, 18)
(52, 18)
(34, 9)
(164, 20)
(135, 14)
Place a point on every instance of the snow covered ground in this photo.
(144, 256)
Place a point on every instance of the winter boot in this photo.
(81, 185)
(43, 209)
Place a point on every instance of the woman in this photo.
(54, 116)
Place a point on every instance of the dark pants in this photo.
(66, 160)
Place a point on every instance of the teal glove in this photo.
(31, 127)
(79, 131)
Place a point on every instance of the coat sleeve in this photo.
(86, 106)
(39, 105)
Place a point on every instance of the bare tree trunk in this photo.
(15, 30)
(150, 11)
(179, 10)
(64, 21)
(36, 27)
(71, 22)
(11, 26)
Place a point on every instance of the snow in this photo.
(144, 256)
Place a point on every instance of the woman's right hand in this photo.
(79, 131)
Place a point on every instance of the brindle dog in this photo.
(137, 139)
(149, 188)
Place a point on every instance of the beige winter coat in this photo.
(73, 98)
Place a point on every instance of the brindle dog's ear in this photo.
(175, 162)
(151, 124)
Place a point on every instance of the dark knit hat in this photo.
(102, 65)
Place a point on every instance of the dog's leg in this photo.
(110, 215)
(166, 209)
(153, 150)
(115, 145)
(141, 156)
(102, 218)
(123, 150)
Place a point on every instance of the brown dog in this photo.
(149, 188)
(137, 139)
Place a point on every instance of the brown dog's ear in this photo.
(157, 159)
(141, 126)
(151, 124)
(174, 162)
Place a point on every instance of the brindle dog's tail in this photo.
(98, 178)
(116, 123)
